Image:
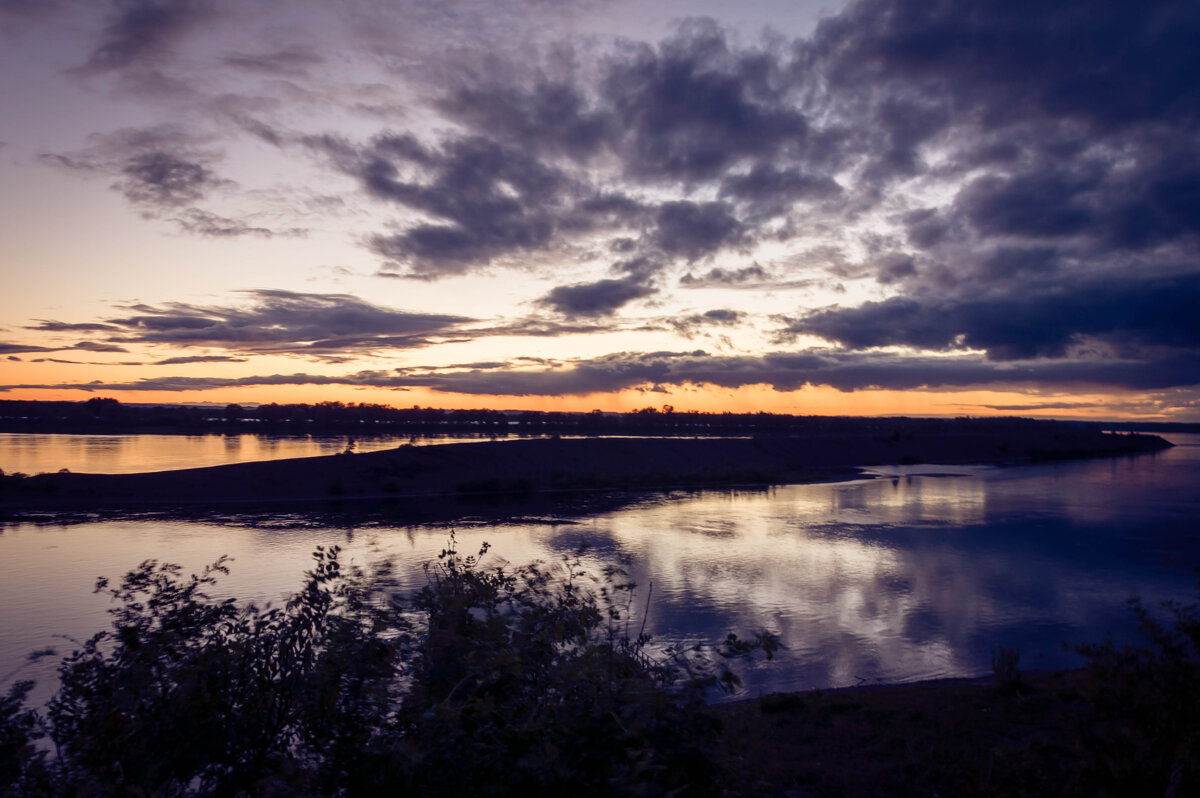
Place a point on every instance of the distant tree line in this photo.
(103, 414)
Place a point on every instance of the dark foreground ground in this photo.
(543, 465)
(1045, 736)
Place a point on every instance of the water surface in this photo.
(35, 453)
(918, 572)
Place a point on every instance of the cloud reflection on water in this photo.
(904, 576)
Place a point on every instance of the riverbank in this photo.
(950, 737)
(535, 466)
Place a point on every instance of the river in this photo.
(910, 573)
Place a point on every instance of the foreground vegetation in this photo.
(489, 681)
(538, 680)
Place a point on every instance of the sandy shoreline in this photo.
(531, 466)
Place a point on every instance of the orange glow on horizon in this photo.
(810, 400)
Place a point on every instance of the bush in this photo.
(186, 695)
(492, 681)
(22, 766)
(1146, 735)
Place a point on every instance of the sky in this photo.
(881, 207)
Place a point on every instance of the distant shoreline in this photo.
(544, 465)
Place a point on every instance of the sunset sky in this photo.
(804, 206)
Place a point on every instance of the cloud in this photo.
(166, 172)
(752, 278)
(484, 199)
(85, 362)
(177, 361)
(548, 155)
(768, 191)
(693, 324)
(552, 115)
(330, 327)
(1045, 406)
(601, 298)
(156, 166)
(20, 10)
(11, 348)
(1130, 316)
(210, 225)
(284, 322)
(158, 178)
(46, 325)
(782, 371)
(94, 346)
(695, 229)
(295, 61)
(141, 30)
(86, 346)
(694, 107)
(1026, 186)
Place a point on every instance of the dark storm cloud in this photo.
(768, 191)
(486, 200)
(138, 30)
(1129, 315)
(554, 116)
(893, 267)
(692, 229)
(694, 106)
(1082, 115)
(520, 176)
(1108, 63)
(1066, 140)
(600, 298)
(1043, 204)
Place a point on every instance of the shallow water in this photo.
(917, 572)
(31, 453)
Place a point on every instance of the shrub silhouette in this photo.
(1146, 735)
(490, 681)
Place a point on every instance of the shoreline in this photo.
(549, 466)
